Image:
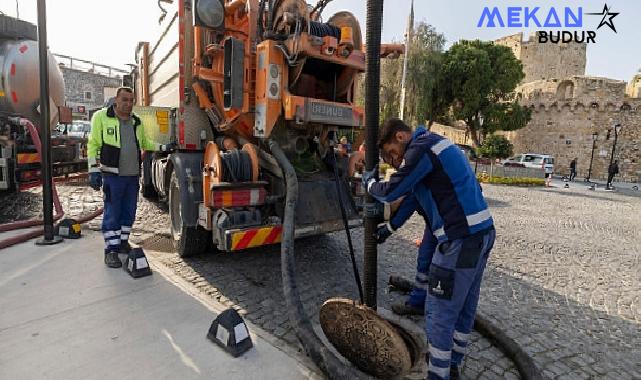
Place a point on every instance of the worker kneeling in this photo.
(119, 136)
(436, 179)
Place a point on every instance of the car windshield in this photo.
(533, 159)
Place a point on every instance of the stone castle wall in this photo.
(547, 60)
(566, 112)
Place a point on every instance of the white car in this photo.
(532, 160)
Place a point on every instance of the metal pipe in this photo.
(372, 84)
(45, 135)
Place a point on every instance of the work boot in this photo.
(455, 373)
(400, 284)
(125, 247)
(407, 309)
(112, 260)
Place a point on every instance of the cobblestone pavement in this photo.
(563, 279)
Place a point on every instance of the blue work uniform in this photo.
(408, 206)
(439, 177)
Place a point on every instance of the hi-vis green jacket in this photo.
(105, 138)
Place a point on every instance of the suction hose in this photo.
(314, 347)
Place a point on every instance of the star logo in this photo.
(607, 18)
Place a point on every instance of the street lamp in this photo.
(617, 130)
(595, 136)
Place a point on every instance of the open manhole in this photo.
(368, 340)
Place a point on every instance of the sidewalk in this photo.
(65, 315)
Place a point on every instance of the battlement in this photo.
(600, 94)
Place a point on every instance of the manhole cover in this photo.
(365, 338)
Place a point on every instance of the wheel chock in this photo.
(136, 264)
(229, 331)
(68, 229)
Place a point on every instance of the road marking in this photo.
(183, 357)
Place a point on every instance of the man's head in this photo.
(395, 136)
(124, 101)
(344, 140)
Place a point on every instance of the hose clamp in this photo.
(373, 210)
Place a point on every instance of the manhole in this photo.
(366, 339)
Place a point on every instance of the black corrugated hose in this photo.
(314, 347)
(372, 88)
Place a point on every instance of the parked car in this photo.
(532, 160)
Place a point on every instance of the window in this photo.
(88, 95)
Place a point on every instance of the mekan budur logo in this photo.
(566, 18)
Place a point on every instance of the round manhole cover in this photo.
(365, 338)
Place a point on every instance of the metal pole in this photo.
(374, 21)
(591, 159)
(614, 146)
(45, 134)
(408, 39)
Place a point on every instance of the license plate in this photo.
(330, 114)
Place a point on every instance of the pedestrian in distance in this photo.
(117, 136)
(613, 170)
(437, 174)
(573, 169)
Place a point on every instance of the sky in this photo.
(108, 31)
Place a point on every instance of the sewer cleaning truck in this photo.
(234, 92)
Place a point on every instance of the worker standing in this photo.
(437, 174)
(118, 136)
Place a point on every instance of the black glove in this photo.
(369, 175)
(95, 180)
(383, 232)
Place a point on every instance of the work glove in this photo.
(95, 180)
(369, 175)
(383, 232)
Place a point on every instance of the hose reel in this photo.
(234, 165)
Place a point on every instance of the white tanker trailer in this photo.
(20, 96)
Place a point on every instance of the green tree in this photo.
(477, 79)
(496, 146)
(423, 67)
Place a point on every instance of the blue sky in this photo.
(98, 30)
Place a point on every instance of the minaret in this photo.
(408, 40)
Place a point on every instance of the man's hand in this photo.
(383, 232)
(369, 176)
(95, 180)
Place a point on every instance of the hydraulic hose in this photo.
(357, 277)
(314, 347)
(524, 363)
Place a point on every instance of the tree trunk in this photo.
(473, 134)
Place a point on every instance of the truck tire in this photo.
(148, 191)
(188, 240)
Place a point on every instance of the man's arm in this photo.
(406, 209)
(416, 166)
(94, 143)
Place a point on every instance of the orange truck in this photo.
(226, 79)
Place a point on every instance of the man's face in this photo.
(125, 102)
(393, 151)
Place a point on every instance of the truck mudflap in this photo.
(241, 239)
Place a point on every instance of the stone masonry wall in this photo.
(547, 60)
(565, 113)
(79, 84)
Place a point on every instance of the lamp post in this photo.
(595, 136)
(617, 130)
(480, 120)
